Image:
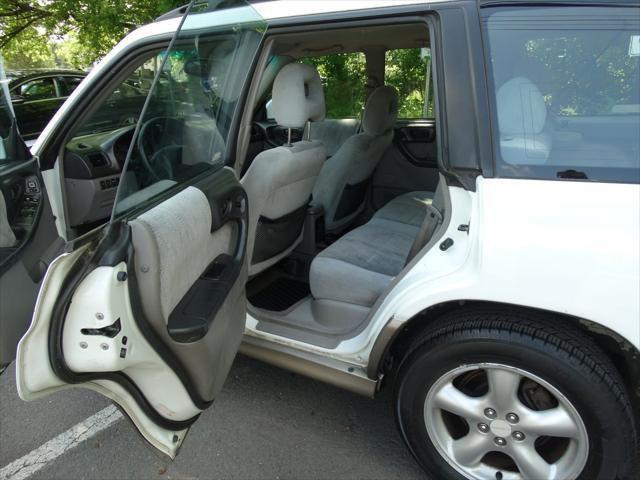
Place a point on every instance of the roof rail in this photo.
(178, 12)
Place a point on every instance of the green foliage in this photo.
(35, 33)
(344, 78)
(585, 74)
(30, 52)
(405, 71)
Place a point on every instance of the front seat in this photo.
(342, 183)
(527, 137)
(279, 181)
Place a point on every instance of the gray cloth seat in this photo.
(359, 266)
(333, 132)
(527, 137)
(408, 208)
(280, 180)
(342, 183)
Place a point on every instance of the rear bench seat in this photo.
(359, 266)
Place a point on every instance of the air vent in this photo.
(97, 160)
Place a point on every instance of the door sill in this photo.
(334, 372)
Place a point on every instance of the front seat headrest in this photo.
(228, 64)
(521, 108)
(522, 115)
(380, 111)
(220, 61)
(297, 96)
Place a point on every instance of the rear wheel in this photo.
(512, 395)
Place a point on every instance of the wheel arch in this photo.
(396, 339)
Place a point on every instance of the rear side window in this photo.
(565, 88)
(408, 70)
(344, 76)
(40, 89)
(69, 84)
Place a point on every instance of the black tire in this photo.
(540, 344)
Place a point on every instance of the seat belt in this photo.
(432, 220)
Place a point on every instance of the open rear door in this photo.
(151, 312)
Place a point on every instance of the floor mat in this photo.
(279, 294)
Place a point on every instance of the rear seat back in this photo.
(344, 179)
(359, 266)
(332, 132)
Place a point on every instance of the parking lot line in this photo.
(33, 461)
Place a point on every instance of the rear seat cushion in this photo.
(409, 208)
(359, 266)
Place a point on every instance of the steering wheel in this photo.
(160, 132)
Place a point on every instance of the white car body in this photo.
(572, 248)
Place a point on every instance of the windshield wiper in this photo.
(572, 174)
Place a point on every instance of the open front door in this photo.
(28, 236)
(151, 312)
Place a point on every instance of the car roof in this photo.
(271, 10)
(275, 9)
(268, 10)
(19, 76)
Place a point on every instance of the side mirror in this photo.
(17, 99)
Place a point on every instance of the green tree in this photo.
(29, 29)
(343, 78)
(405, 70)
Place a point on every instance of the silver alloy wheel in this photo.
(482, 419)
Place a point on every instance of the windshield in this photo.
(184, 126)
(12, 148)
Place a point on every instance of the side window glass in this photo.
(40, 89)
(565, 83)
(122, 106)
(343, 77)
(408, 70)
(68, 84)
(192, 97)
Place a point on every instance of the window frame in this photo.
(26, 101)
(63, 86)
(503, 169)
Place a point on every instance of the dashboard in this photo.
(92, 170)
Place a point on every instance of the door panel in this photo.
(34, 383)
(109, 315)
(31, 243)
(410, 164)
(190, 277)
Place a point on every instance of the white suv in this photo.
(471, 240)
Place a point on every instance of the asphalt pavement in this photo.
(266, 424)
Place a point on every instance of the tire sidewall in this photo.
(594, 402)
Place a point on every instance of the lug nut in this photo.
(83, 345)
(483, 427)
(490, 413)
(501, 442)
(99, 316)
(512, 418)
(104, 346)
(519, 436)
